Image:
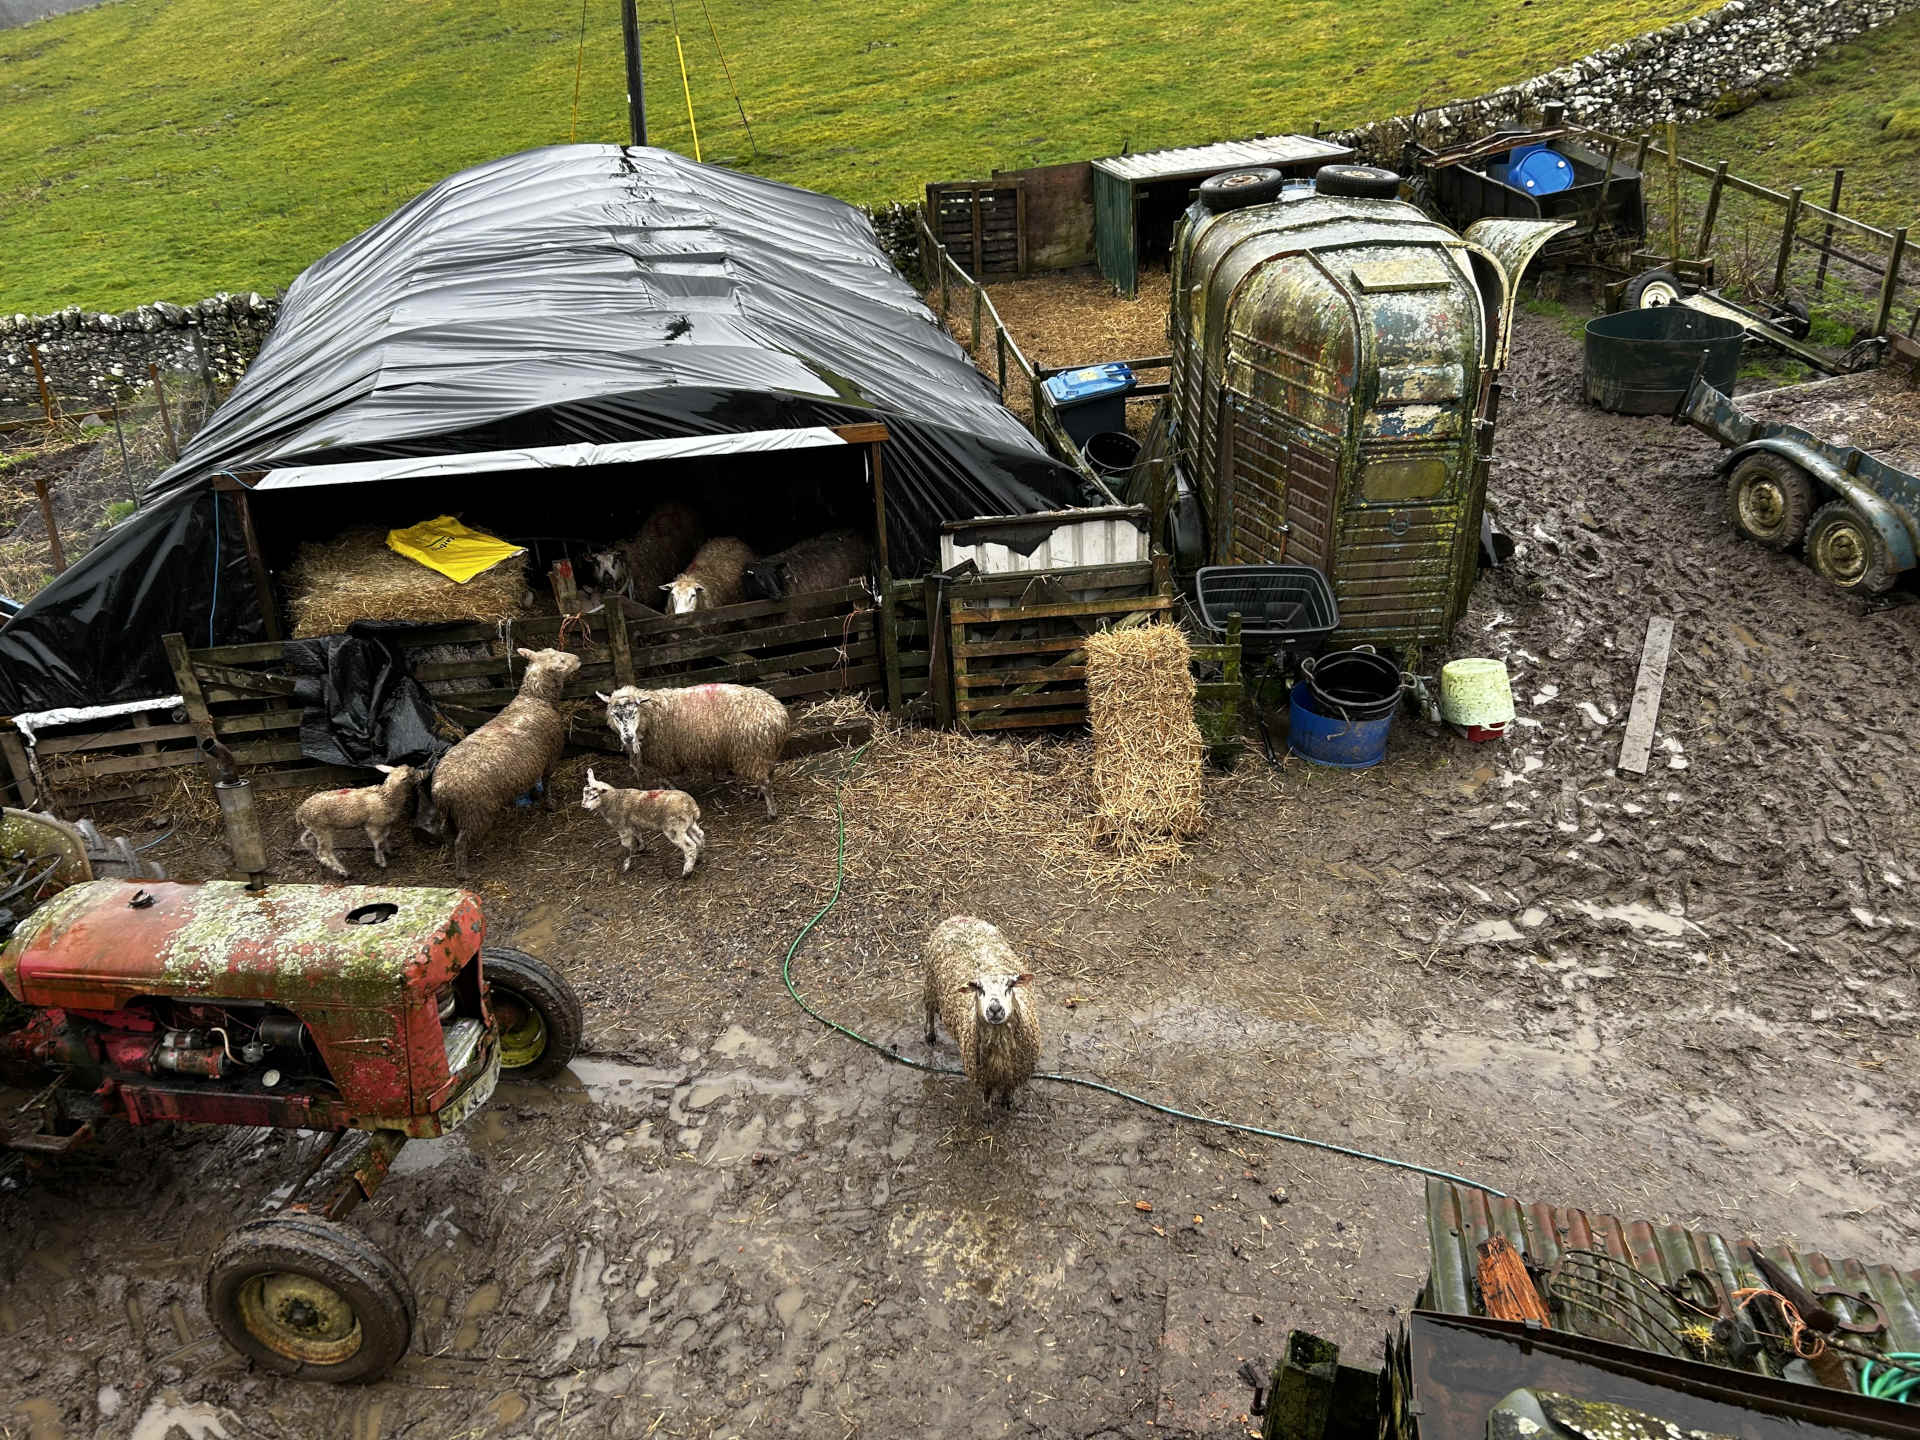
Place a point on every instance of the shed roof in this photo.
(1205, 160)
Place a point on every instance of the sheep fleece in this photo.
(995, 1057)
(714, 730)
(476, 781)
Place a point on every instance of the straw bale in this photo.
(356, 577)
(1147, 751)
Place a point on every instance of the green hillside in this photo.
(163, 149)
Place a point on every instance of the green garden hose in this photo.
(894, 1056)
(1896, 1382)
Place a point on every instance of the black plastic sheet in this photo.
(361, 704)
(576, 293)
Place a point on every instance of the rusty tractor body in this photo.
(1335, 357)
(341, 1009)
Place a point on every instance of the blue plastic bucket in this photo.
(1343, 744)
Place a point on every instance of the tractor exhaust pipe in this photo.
(235, 794)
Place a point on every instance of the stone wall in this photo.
(95, 357)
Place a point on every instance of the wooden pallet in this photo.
(1023, 664)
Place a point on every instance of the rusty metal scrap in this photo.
(1506, 1290)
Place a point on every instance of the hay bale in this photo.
(1147, 751)
(356, 577)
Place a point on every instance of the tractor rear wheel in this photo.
(303, 1296)
(1845, 550)
(538, 1013)
(1769, 499)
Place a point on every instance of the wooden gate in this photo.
(983, 223)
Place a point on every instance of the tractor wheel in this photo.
(537, 1011)
(1357, 182)
(303, 1296)
(1237, 189)
(1845, 550)
(1653, 287)
(1769, 499)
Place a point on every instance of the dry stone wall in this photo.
(93, 357)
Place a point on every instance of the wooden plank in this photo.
(89, 766)
(198, 716)
(1022, 675)
(621, 643)
(1075, 608)
(112, 739)
(1045, 645)
(1636, 747)
(889, 624)
(15, 750)
(1024, 720)
(971, 704)
(939, 663)
(727, 616)
(586, 680)
(858, 677)
(257, 564)
(1073, 577)
(244, 682)
(262, 653)
(751, 670)
(831, 628)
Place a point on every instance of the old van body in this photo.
(1333, 389)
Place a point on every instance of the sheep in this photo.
(977, 989)
(665, 544)
(632, 812)
(712, 730)
(477, 780)
(373, 808)
(824, 562)
(712, 577)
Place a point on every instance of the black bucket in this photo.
(1353, 684)
(1111, 452)
(1642, 362)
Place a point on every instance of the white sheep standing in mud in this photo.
(373, 808)
(632, 813)
(712, 731)
(975, 986)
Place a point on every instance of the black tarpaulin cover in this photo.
(577, 293)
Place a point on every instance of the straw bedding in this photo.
(356, 577)
(1147, 752)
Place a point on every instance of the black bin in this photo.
(1281, 607)
(1642, 362)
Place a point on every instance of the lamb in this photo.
(663, 547)
(631, 812)
(976, 988)
(824, 562)
(709, 730)
(373, 808)
(476, 781)
(712, 578)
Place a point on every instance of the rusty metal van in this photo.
(1334, 361)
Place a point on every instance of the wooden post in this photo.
(1636, 746)
(889, 630)
(1230, 675)
(939, 660)
(941, 251)
(1786, 239)
(1640, 156)
(40, 374)
(1000, 356)
(256, 562)
(979, 237)
(1606, 184)
(1673, 186)
(1890, 281)
(618, 641)
(16, 753)
(1826, 241)
(126, 465)
(191, 696)
(166, 419)
(979, 294)
(1713, 210)
(46, 518)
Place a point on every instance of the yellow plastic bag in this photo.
(444, 544)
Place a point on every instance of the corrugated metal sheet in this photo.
(1204, 160)
(1102, 536)
(1459, 1219)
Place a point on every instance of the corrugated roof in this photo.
(1204, 160)
(1459, 1219)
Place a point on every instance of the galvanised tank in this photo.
(1332, 400)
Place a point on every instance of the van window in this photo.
(1387, 481)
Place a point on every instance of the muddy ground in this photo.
(1690, 996)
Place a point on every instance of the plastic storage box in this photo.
(1091, 399)
(1282, 607)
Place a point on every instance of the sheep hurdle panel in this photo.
(796, 647)
(1023, 664)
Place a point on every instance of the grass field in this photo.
(163, 149)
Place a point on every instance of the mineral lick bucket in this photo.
(1329, 740)
(1476, 698)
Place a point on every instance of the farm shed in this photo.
(548, 345)
(1138, 199)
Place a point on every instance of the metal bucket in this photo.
(1642, 362)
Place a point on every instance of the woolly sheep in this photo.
(633, 812)
(976, 987)
(824, 562)
(373, 808)
(712, 577)
(702, 730)
(477, 780)
(665, 544)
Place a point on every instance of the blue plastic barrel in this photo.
(1539, 170)
(1343, 744)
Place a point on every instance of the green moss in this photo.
(118, 510)
(163, 149)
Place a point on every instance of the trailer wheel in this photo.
(1769, 499)
(1357, 182)
(537, 1011)
(300, 1295)
(1237, 189)
(1653, 287)
(1845, 550)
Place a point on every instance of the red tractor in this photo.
(348, 1009)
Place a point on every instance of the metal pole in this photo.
(1891, 281)
(636, 86)
(1826, 243)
